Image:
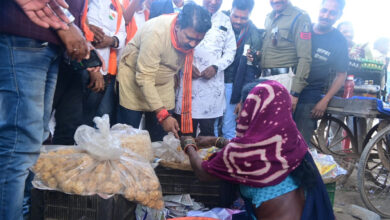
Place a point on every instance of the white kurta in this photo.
(139, 17)
(102, 13)
(217, 48)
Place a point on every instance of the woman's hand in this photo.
(205, 141)
(186, 140)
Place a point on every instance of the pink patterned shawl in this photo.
(268, 145)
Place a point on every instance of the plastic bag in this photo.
(171, 155)
(217, 213)
(138, 141)
(79, 170)
(98, 143)
(327, 166)
(169, 150)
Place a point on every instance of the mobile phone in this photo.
(93, 61)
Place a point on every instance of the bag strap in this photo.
(292, 26)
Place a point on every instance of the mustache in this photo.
(188, 47)
(325, 20)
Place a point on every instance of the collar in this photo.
(175, 8)
(215, 14)
(248, 25)
(142, 11)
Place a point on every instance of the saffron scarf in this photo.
(186, 112)
(132, 27)
(268, 145)
(112, 62)
(87, 32)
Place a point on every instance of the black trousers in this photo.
(68, 104)
(133, 118)
(206, 126)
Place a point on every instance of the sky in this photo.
(371, 18)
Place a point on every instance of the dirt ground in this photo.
(346, 195)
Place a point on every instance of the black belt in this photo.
(276, 71)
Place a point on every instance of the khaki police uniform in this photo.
(287, 44)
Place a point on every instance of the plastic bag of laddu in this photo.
(138, 141)
(98, 165)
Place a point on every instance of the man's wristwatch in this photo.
(115, 44)
(295, 94)
(215, 68)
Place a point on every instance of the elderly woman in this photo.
(268, 159)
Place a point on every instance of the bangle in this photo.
(190, 145)
(216, 141)
(189, 141)
(219, 143)
(162, 115)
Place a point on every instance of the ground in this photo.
(345, 195)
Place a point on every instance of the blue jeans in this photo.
(229, 118)
(305, 123)
(28, 74)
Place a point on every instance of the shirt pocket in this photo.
(218, 36)
(284, 40)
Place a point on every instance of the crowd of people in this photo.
(182, 68)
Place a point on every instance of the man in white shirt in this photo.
(106, 20)
(212, 56)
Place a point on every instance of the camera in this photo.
(93, 61)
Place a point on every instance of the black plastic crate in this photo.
(211, 194)
(54, 205)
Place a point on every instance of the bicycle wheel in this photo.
(335, 138)
(371, 133)
(374, 173)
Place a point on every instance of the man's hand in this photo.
(45, 13)
(209, 72)
(96, 81)
(205, 141)
(76, 45)
(106, 42)
(170, 125)
(98, 33)
(250, 57)
(195, 72)
(319, 109)
(237, 109)
(294, 102)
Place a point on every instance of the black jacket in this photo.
(243, 73)
(160, 7)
